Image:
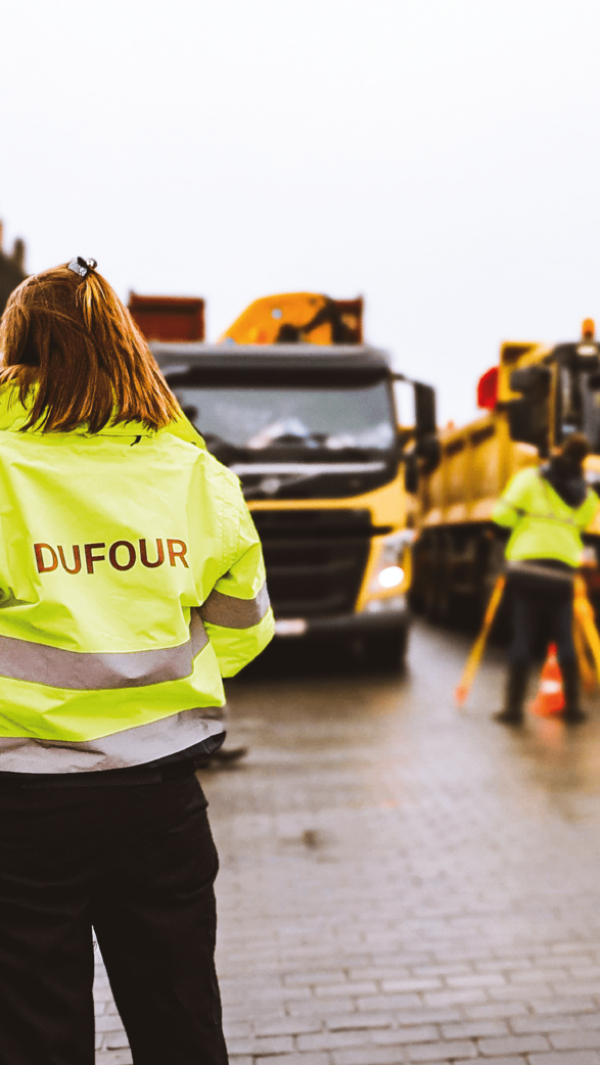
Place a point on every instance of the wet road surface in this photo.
(401, 882)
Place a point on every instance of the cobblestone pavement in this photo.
(401, 882)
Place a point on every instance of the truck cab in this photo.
(312, 431)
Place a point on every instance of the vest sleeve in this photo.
(587, 512)
(514, 501)
(237, 614)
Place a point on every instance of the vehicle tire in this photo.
(386, 650)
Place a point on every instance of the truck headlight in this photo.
(390, 577)
(390, 568)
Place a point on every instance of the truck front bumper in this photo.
(388, 614)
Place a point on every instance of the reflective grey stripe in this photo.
(41, 664)
(233, 613)
(532, 569)
(243, 468)
(132, 746)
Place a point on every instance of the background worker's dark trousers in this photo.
(138, 863)
(543, 610)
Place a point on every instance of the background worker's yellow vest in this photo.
(131, 578)
(543, 525)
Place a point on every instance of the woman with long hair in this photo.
(131, 582)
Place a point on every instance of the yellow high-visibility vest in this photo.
(131, 578)
(543, 525)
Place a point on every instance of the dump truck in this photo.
(534, 397)
(304, 412)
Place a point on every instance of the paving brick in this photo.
(482, 980)
(418, 1034)
(332, 1040)
(348, 988)
(362, 1020)
(388, 1002)
(368, 1056)
(521, 991)
(474, 1029)
(511, 1060)
(577, 987)
(102, 992)
(108, 1022)
(571, 1004)
(427, 1015)
(454, 998)
(262, 1046)
(512, 1044)
(336, 976)
(501, 965)
(297, 1059)
(284, 1025)
(534, 975)
(321, 1007)
(379, 972)
(540, 1023)
(115, 1040)
(237, 1029)
(441, 1051)
(568, 1057)
(449, 969)
(411, 985)
(575, 1040)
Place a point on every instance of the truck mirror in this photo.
(411, 472)
(529, 378)
(529, 417)
(424, 409)
(429, 451)
(529, 421)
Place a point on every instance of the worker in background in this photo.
(131, 581)
(546, 509)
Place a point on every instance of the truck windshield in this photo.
(314, 420)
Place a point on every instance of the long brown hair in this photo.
(70, 341)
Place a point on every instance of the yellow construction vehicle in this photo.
(536, 396)
(298, 317)
(305, 414)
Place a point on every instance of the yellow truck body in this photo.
(456, 556)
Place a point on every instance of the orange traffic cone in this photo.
(550, 698)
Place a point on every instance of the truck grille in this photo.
(315, 559)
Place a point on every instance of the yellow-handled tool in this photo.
(584, 614)
(586, 671)
(470, 671)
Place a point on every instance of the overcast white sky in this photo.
(439, 157)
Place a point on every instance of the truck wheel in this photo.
(386, 651)
(438, 601)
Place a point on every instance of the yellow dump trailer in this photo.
(536, 396)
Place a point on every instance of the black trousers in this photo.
(541, 609)
(136, 862)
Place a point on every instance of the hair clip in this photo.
(82, 266)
